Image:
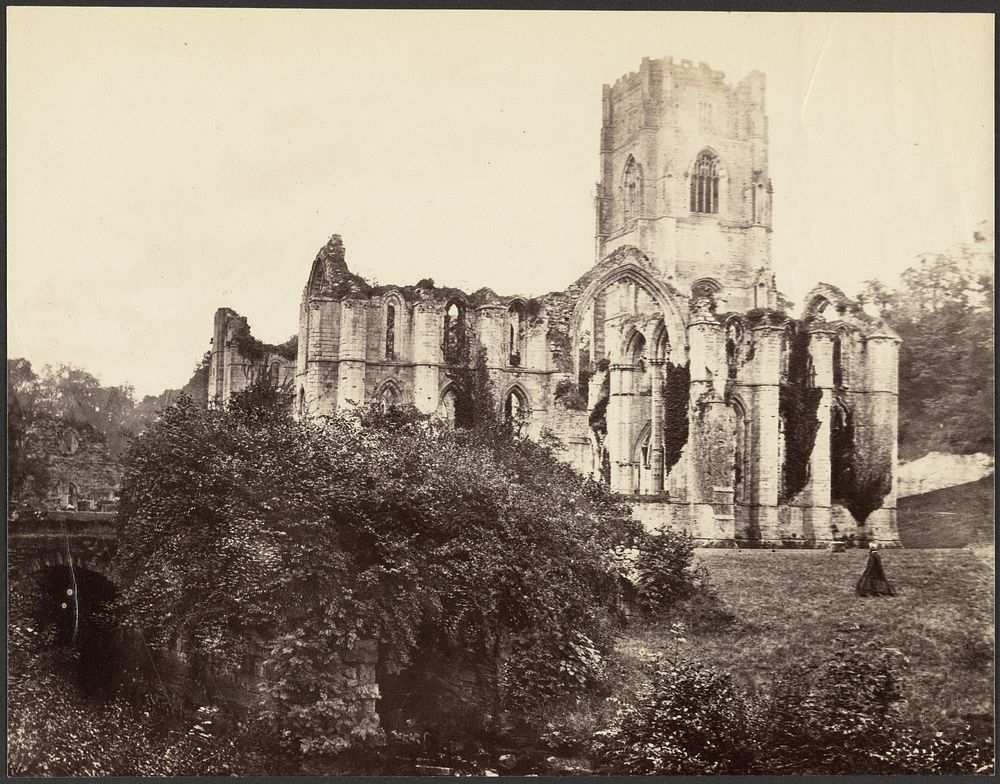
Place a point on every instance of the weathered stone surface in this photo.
(938, 470)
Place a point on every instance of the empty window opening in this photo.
(390, 332)
(454, 332)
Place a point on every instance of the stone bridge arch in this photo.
(85, 540)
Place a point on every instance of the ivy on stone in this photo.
(798, 404)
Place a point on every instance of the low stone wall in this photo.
(938, 470)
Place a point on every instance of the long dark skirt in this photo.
(873, 582)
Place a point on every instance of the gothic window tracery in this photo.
(705, 184)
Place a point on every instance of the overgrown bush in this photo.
(836, 717)
(665, 571)
(57, 729)
(965, 754)
(689, 721)
(241, 525)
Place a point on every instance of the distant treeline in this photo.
(943, 312)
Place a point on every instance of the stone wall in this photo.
(244, 691)
(82, 473)
(938, 470)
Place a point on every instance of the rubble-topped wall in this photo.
(82, 473)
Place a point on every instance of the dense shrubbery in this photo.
(840, 717)
(688, 721)
(665, 571)
(241, 527)
(56, 729)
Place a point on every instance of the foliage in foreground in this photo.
(56, 729)
(242, 530)
(839, 718)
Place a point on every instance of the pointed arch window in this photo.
(515, 334)
(390, 331)
(734, 341)
(453, 341)
(705, 184)
(632, 187)
(389, 396)
(515, 408)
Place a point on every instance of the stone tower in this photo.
(684, 178)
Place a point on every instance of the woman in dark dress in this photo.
(873, 581)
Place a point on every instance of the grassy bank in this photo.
(956, 516)
(789, 607)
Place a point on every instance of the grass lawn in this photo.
(953, 517)
(790, 606)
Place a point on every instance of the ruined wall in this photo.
(750, 448)
(82, 473)
(238, 358)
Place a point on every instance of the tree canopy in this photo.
(943, 312)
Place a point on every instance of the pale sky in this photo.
(163, 163)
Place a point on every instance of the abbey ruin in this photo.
(673, 369)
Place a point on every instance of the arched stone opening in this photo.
(75, 604)
(516, 328)
(516, 409)
(626, 291)
(389, 394)
(453, 338)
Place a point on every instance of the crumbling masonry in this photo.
(673, 369)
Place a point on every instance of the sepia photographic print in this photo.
(499, 393)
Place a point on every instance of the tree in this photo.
(943, 312)
(27, 467)
(241, 528)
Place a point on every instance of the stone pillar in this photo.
(619, 412)
(217, 368)
(704, 336)
(323, 326)
(882, 376)
(426, 351)
(764, 449)
(702, 349)
(492, 332)
(353, 350)
(656, 426)
(815, 496)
